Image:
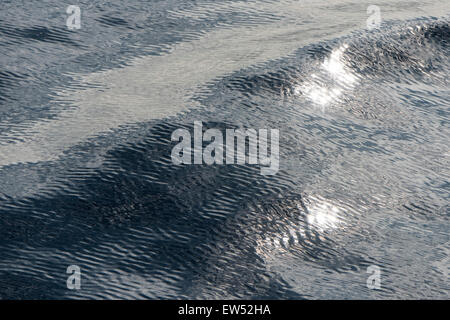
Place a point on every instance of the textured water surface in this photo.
(86, 118)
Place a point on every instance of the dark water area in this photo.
(87, 179)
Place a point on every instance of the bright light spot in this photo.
(329, 84)
(323, 215)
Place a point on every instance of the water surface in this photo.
(86, 118)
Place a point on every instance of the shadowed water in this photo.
(86, 119)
